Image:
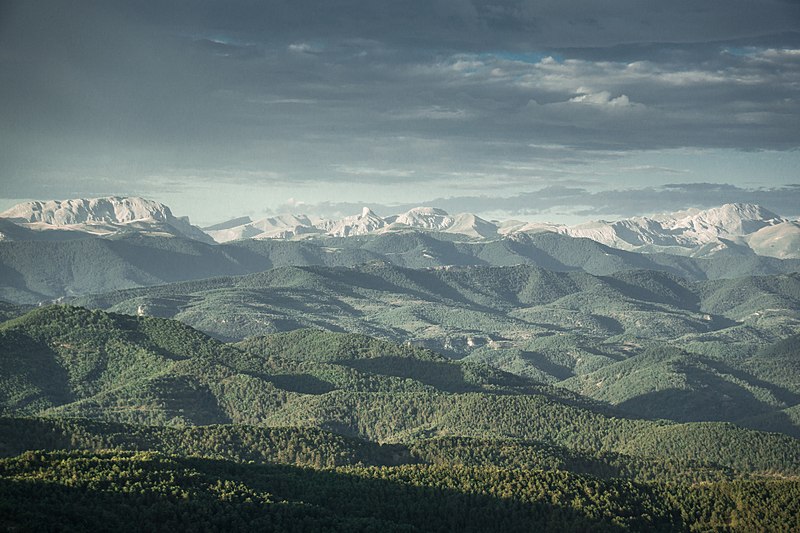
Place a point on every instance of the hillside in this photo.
(179, 493)
(653, 344)
(310, 424)
(461, 310)
(41, 270)
(70, 362)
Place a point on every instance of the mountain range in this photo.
(634, 338)
(103, 217)
(70, 363)
(40, 271)
(697, 233)
(423, 371)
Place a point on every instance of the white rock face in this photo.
(691, 232)
(426, 218)
(366, 222)
(472, 226)
(277, 227)
(781, 240)
(118, 210)
(102, 216)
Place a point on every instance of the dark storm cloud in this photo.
(97, 96)
(476, 25)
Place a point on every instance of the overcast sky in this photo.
(547, 110)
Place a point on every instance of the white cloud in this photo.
(602, 98)
(304, 48)
(370, 171)
(433, 113)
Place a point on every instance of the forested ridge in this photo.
(108, 417)
(651, 343)
(146, 490)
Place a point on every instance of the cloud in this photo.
(654, 169)
(582, 203)
(305, 48)
(454, 94)
(602, 98)
(368, 171)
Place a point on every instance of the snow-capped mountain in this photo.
(729, 219)
(691, 232)
(424, 218)
(433, 219)
(365, 223)
(694, 232)
(781, 240)
(101, 217)
(277, 227)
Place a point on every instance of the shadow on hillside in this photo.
(228, 496)
(683, 297)
(545, 365)
(709, 398)
(178, 260)
(16, 288)
(536, 256)
(444, 376)
(782, 394)
(300, 383)
(34, 366)
(183, 397)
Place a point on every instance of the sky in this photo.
(536, 110)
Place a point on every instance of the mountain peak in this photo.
(746, 211)
(737, 219)
(112, 209)
(102, 216)
(427, 211)
(362, 224)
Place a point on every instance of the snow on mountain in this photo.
(781, 240)
(433, 219)
(727, 220)
(277, 227)
(117, 210)
(691, 232)
(429, 218)
(102, 216)
(366, 222)
(472, 226)
(510, 227)
(228, 224)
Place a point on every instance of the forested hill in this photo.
(70, 362)
(655, 344)
(36, 271)
(143, 422)
(379, 298)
